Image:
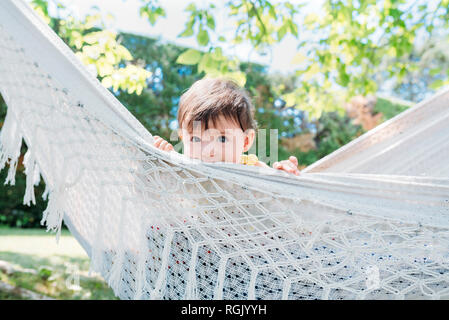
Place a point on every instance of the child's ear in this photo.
(250, 134)
(180, 134)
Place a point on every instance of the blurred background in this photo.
(321, 72)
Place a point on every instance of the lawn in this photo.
(39, 265)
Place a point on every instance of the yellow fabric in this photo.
(250, 159)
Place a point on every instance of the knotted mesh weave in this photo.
(370, 221)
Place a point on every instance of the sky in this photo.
(127, 19)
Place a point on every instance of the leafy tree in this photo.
(427, 71)
(151, 10)
(97, 47)
(354, 37)
(260, 23)
(157, 106)
(345, 47)
(341, 51)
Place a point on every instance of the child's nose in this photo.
(209, 149)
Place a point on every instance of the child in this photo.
(216, 125)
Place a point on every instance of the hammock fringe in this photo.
(32, 177)
(140, 278)
(115, 273)
(141, 265)
(46, 192)
(10, 144)
(54, 213)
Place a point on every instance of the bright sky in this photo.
(127, 18)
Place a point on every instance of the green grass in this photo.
(55, 265)
(7, 231)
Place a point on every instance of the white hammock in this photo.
(369, 221)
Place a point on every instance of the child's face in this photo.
(224, 142)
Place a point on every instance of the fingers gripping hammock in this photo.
(370, 220)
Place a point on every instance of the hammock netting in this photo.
(369, 221)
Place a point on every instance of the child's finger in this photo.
(295, 166)
(294, 160)
(282, 166)
(167, 146)
(295, 170)
(163, 144)
(290, 167)
(157, 142)
(287, 166)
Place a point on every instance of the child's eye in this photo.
(222, 139)
(195, 139)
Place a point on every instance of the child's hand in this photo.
(162, 144)
(290, 165)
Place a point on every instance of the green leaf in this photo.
(189, 57)
(139, 89)
(299, 58)
(104, 69)
(110, 57)
(203, 37)
(290, 6)
(210, 22)
(282, 31)
(290, 99)
(437, 84)
(186, 33)
(45, 272)
(217, 54)
(107, 82)
(272, 12)
(293, 27)
(191, 7)
(433, 72)
(238, 76)
(224, 68)
(208, 64)
(160, 11)
(124, 53)
(344, 79)
(91, 38)
(152, 18)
